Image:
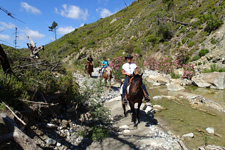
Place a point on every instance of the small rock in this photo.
(58, 144)
(50, 142)
(188, 136)
(64, 123)
(126, 132)
(50, 125)
(158, 107)
(156, 84)
(210, 130)
(124, 127)
(157, 97)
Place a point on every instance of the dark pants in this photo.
(125, 82)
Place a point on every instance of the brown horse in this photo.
(134, 95)
(89, 68)
(107, 76)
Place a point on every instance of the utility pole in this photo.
(16, 38)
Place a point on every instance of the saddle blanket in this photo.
(121, 89)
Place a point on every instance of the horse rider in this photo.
(91, 61)
(128, 69)
(104, 65)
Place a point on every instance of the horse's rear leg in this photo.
(124, 106)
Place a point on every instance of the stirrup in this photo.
(124, 101)
(147, 99)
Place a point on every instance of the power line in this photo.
(9, 14)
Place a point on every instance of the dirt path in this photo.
(148, 134)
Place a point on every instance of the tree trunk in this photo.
(4, 61)
(17, 135)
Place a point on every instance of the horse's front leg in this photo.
(138, 111)
(105, 82)
(133, 118)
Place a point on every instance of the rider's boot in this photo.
(125, 99)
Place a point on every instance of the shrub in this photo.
(174, 75)
(213, 40)
(190, 44)
(188, 71)
(89, 32)
(165, 32)
(212, 23)
(184, 40)
(154, 40)
(183, 29)
(196, 57)
(213, 68)
(181, 58)
(203, 52)
(191, 34)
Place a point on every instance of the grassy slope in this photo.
(141, 26)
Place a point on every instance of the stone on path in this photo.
(210, 130)
(188, 136)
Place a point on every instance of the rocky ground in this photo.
(148, 134)
(63, 134)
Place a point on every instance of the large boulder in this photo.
(174, 87)
(214, 79)
(161, 79)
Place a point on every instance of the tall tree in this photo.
(53, 28)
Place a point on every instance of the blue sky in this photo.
(33, 17)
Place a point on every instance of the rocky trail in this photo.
(148, 135)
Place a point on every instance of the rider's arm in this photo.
(136, 70)
(124, 73)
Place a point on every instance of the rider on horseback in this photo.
(128, 69)
(104, 65)
(90, 59)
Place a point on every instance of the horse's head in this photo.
(136, 83)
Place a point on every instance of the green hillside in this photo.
(145, 27)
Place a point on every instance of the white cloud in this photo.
(33, 34)
(7, 26)
(73, 12)
(82, 25)
(30, 8)
(65, 30)
(4, 37)
(104, 12)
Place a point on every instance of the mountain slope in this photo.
(147, 27)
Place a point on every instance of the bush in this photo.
(190, 44)
(212, 23)
(174, 75)
(191, 34)
(203, 52)
(184, 40)
(213, 40)
(165, 32)
(213, 68)
(196, 57)
(154, 40)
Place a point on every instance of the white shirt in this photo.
(129, 68)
